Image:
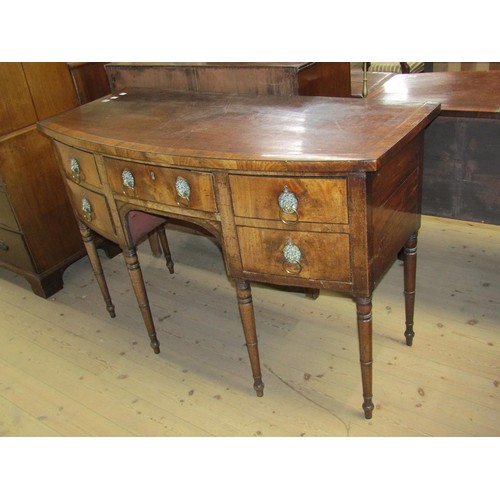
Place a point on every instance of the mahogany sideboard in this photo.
(462, 145)
(311, 192)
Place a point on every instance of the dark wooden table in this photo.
(312, 192)
(462, 146)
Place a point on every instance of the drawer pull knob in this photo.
(74, 168)
(288, 204)
(3, 246)
(183, 192)
(292, 255)
(128, 179)
(88, 214)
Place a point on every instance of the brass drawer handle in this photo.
(183, 192)
(128, 180)
(74, 168)
(292, 255)
(288, 204)
(4, 246)
(88, 213)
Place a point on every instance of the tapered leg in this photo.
(245, 305)
(166, 250)
(135, 273)
(410, 273)
(95, 262)
(364, 313)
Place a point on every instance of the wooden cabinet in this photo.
(289, 78)
(38, 234)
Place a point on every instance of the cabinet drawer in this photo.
(317, 256)
(312, 200)
(78, 165)
(92, 208)
(7, 217)
(13, 251)
(162, 185)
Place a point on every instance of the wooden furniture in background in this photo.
(462, 146)
(304, 78)
(38, 235)
(304, 191)
(90, 80)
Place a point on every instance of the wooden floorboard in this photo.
(68, 369)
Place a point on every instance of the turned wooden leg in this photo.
(166, 249)
(245, 305)
(364, 313)
(153, 243)
(135, 273)
(410, 273)
(95, 262)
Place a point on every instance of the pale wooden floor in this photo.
(67, 369)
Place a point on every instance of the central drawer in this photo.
(303, 254)
(169, 186)
(13, 250)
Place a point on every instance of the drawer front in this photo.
(308, 255)
(13, 251)
(79, 166)
(92, 208)
(290, 199)
(170, 186)
(7, 217)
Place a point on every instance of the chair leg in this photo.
(166, 249)
(136, 277)
(95, 262)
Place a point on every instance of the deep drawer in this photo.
(308, 255)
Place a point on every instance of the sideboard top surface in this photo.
(254, 132)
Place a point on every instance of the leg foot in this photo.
(364, 315)
(245, 305)
(95, 262)
(166, 250)
(410, 271)
(135, 273)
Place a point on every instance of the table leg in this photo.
(135, 273)
(410, 272)
(166, 249)
(364, 314)
(245, 305)
(95, 262)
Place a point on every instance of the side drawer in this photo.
(92, 208)
(13, 250)
(320, 256)
(315, 199)
(7, 217)
(150, 183)
(78, 165)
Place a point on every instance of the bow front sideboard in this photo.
(312, 192)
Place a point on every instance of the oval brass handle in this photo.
(4, 246)
(74, 168)
(288, 204)
(128, 179)
(183, 192)
(88, 213)
(292, 256)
